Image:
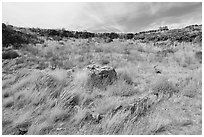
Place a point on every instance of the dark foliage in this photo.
(129, 36)
(191, 33)
(10, 55)
(11, 37)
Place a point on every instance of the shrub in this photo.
(20, 60)
(198, 39)
(198, 55)
(10, 54)
(31, 49)
(97, 49)
(42, 65)
(187, 61)
(108, 40)
(165, 52)
(61, 43)
(140, 49)
(8, 102)
(6, 122)
(15, 38)
(68, 64)
(164, 89)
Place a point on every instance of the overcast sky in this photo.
(102, 17)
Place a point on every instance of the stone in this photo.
(158, 71)
(100, 76)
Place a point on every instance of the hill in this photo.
(61, 82)
(192, 33)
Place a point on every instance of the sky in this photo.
(102, 17)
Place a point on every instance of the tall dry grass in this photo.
(39, 100)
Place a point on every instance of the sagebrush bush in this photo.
(20, 60)
(108, 40)
(140, 49)
(10, 55)
(97, 49)
(187, 61)
(198, 56)
(32, 49)
(42, 65)
(164, 89)
(8, 102)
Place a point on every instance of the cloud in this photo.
(103, 17)
(159, 14)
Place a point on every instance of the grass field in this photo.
(158, 90)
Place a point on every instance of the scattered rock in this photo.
(22, 128)
(158, 71)
(100, 77)
(22, 132)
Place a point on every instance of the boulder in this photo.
(100, 76)
(157, 70)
